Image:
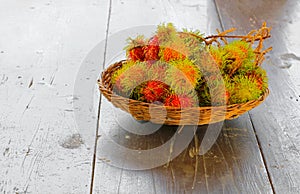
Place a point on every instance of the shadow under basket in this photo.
(167, 115)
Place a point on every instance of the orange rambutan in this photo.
(182, 76)
(174, 52)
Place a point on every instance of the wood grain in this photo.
(42, 44)
(233, 165)
(276, 122)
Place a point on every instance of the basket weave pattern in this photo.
(169, 115)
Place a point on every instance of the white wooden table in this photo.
(42, 47)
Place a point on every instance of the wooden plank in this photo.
(41, 49)
(277, 120)
(233, 165)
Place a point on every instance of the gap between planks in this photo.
(262, 155)
(99, 104)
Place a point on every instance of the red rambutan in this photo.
(135, 48)
(178, 101)
(152, 49)
(154, 91)
(136, 53)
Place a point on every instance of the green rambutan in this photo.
(157, 71)
(204, 95)
(217, 89)
(182, 76)
(213, 91)
(193, 40)
(260, 76)
(119, 75)
(236, 54)
(243, 89)
(166, 33)
(217, 54)
(206, 63)
(129, 76)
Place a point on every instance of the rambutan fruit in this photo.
(180, 101)
(151, 50)
(135, 48)
(244, 89)
(182, 76)
(152, 91)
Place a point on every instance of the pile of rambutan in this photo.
(179, 69)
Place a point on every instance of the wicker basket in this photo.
(169, 115)
(195, 115)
